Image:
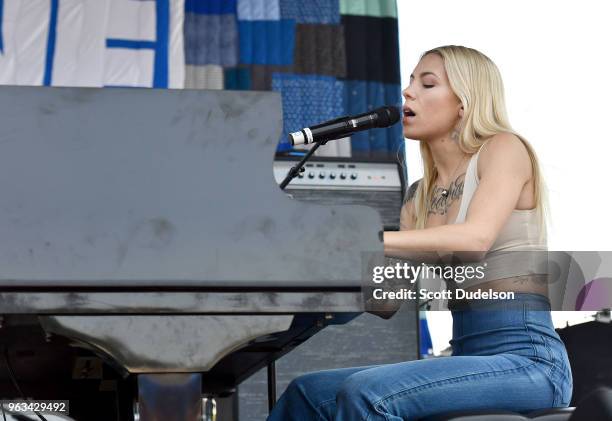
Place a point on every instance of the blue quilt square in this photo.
(311, 11)
(237, 79)
(211, 39)
(211, 7)
(308, 99)
(267, 42)
(362, 96)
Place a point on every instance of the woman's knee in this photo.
(324, 382)
(359, 389)
(303, 383)
(371, 395)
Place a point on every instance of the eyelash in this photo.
(428, 86)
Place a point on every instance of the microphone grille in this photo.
(387, 116)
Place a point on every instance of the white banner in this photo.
(92, 43)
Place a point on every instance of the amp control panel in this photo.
(332, 175)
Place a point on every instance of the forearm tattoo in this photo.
(531, 279)
(440, 203)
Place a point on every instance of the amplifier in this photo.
(375, 184)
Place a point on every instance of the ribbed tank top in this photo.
(519, 249)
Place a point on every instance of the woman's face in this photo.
(431, 109)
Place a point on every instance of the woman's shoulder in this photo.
(506, 148)
(503, 142)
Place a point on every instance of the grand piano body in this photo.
(146, 227)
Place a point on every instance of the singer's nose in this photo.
(407, 93)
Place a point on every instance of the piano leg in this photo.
(170, 397)
(271, 385)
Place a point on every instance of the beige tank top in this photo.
(518, 250)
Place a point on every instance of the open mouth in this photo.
(408, 112)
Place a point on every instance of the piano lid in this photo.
(162, 188)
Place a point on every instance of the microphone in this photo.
(344, 126)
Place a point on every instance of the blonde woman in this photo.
(481, 193)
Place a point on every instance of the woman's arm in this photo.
(504, 167)
(407, 224)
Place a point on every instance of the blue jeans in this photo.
(506, 356)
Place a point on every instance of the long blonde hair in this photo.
(476, 81)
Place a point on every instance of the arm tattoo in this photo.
(411, 191)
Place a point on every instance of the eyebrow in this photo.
(424, 74)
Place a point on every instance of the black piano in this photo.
(144, 229)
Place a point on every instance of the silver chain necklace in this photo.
(445, 192)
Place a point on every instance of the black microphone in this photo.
(344, 126)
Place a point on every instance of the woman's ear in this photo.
(461, 112)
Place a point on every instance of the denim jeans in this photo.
(506, 356)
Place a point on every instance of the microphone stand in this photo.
(293, 172)
(299, 167)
